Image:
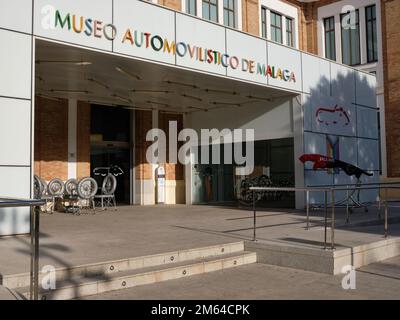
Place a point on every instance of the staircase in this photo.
(91, 279)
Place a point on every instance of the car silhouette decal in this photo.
(332, 116)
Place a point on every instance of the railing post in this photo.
(254, 215)
(308, 209)
(34, 273)
(326, 217)
(386, 212)
(347, 204)
(379, 203)
(32, 278)
(333, 221)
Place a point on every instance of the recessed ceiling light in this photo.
(123, 99)
(101, 84)
(225, 103)
(128, 73)
(259, 98)
(76, 63)
(182, 84)
(151, 91)
(191, 97)
(221, 91)
(69, 91)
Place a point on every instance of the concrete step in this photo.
(80, 286)
(114, 266)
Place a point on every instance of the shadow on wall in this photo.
(50, 252)
(341, 121)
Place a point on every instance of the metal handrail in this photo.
(34, 233)
(332, 190)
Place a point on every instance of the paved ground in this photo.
(259, 281)
(68, 240)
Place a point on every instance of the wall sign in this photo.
(91, 27)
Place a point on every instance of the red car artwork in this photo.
(332, 116)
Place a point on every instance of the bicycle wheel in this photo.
(87, 188)
(109, 184)
(37, 187)
(56, 187)
(71, 187)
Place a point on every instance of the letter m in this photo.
(62, 22)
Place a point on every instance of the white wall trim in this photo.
(72, 137)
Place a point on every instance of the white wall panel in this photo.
(272, 121)
(307, 112)
(16, 15)
(200, 34)
(316, 75)
(15, 64)
(143, 18)
(15, 131)
(367, 123)
(314, 143)
(348, 150)
(333, 117)
(249, 49)
(14, 183)
(368, 154)
(365, 89)
(285, 58)
(96, 10)
(317, 178)
(342, 80)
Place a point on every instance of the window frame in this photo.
(233, 11)
(209, 4)
(350, 38)
(188, 6)
(374, 35)
(289, 33)
(274, 27)
(264, 29)
(330, 32)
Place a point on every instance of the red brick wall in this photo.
(51, 138)
(391, 62)
(173, 4)
(172, 171)
(143, 123)
(251, 16)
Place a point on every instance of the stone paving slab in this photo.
(68, 240)
(260, 281)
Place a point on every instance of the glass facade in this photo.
(372, 47)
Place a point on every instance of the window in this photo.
(229, 13)
(276, 27)
(210, 10)
(191, 7)
(370, 17)
(289, 32)
(264, 22)
(330, 44)
(350, 38)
